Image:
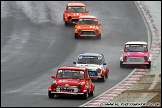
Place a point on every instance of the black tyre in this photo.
(66, 24)
(103, 78)
(106, 76)
(148, 65)
(85, 95)
(91, 93)
(121, 64)
(76, 36)
(50, 95)
(99, 36)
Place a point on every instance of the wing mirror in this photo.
(104, 63)
(53, 77)
(74, 63)
(121, 50)
(87, 11)
(99, 24)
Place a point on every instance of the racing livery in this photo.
(95, 63)
(135, 53)
(87, 26)
(73, 11)
(71, 81)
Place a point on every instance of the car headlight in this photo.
(145, 57)
(96, 30)
(79, 86)
(98, 70)
(125, 57)
(69, 17)
(54, 85)
(79, 30)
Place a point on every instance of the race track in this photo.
(35, 42)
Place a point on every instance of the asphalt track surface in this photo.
(35, 42)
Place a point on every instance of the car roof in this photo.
(76, 4)
(136, 42)
(88, 16)
(91, 54)
(72, 68)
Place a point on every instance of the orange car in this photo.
(73, 11)
(87, 26)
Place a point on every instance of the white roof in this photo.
(136, 42)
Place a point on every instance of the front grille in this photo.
(87, 33)
(135, 60)
(74, 20)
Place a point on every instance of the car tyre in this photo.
(148, 65)
(85, 95)
(99, 36)
(66, 24)
(91, 93)
(50, 95)
(121, 64)
(103, 78)
(76, 36)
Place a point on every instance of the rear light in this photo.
(54, 85)
(98, 70)
(79, 86)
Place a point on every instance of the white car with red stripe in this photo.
(95, 63)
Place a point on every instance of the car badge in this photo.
(66, 85)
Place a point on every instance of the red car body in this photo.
(71, 81)
(73, 11)
(135, 54)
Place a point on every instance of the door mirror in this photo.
(121, 50)
(104, 63)
(74, 63)
(53, 77)
(99, 24)
(87, 11)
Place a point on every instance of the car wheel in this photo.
(85, 95)
(106, 76)
(99, 36)
(76, 36)
(91, 93)
(148, 65)
(103, 78)
(66, 24)
(50, 95)
(121, 64)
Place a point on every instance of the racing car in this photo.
(135, 53)
(96, 65)
(73, 11)
(87, 26)
(71, 81)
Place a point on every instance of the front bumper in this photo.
(72, 93)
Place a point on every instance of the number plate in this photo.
(67, 90)
(92, 73)
(135, 60)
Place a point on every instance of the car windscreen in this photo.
(90, 60)
(77, 74)
(136, 48)
(88, 21)
(77, 9)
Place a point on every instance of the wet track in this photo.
(35, 42)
